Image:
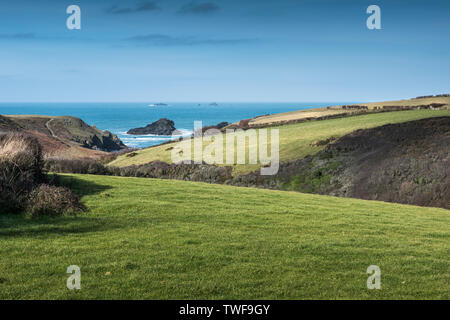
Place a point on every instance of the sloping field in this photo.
(337, 110)
(165, 239)
(296, 140)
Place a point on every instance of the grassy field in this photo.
(165, 239)
(296, 139)
(334, 110)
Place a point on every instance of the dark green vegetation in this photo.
(312, 180)
(155, 169)
(161, 239)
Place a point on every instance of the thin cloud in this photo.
(143, 6)
(166, 40)
(199, 8)
(40, 37)
(18, 36)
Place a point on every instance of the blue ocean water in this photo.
(120, 117)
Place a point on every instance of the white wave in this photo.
(143, 139)
(184, 132)
(180, 133)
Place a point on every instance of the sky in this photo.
(223, 50)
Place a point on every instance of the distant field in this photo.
(296, 139)
(336, 110)
(166, 239)
(410, 102)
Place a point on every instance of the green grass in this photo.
(296, 139)
(165, 239)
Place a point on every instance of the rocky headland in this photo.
(162, 127)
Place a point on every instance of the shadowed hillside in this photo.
(406, 162)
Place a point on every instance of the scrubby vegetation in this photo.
(22, 178)
(156, 169)
(48, 200)
(82, 166)
(20, 170)
(405, 163)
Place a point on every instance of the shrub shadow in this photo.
(78, 186)
(20, 225)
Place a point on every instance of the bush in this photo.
(21, 178)
(52, 201)
(81, 166)
(156, 169)
(20, 170)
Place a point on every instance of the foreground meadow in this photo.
(165, 239)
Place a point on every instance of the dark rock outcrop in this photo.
(222, 125)
(105, 141)
(162, 127)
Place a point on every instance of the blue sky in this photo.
(223, 50)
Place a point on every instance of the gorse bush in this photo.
(22, 178)
(81, 166)
(20, 170)
(156, 169)
(51, 201)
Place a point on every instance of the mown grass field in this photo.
(165, 239)
(295, 140)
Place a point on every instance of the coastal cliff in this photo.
(64, 136)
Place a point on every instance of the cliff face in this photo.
(76, 130)
(64, 135)
(405, 163)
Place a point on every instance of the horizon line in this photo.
(202, 102)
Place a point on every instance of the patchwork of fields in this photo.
(296, 140)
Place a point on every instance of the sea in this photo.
(118, 118)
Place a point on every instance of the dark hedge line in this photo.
(156, 169)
